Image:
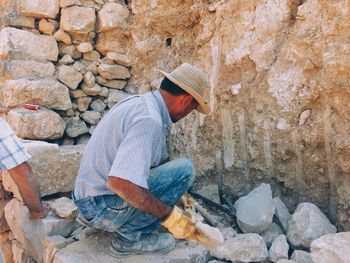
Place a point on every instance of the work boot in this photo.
(155, 243)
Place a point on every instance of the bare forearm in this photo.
(23, 177)
(138, 197)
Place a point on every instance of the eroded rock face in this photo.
(45, 92)
(307, 224)
(21, 44)
(255, 210)
(332, 248)
(242, 248)
(36, 125)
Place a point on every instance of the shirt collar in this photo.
(163, 108)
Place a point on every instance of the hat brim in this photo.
(203, 106)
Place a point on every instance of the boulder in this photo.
(307, 224)
(301, 256)
(119, 58)
(36, 125)
(112, 16)
(29, 69)
(21, 44)
(62, 36)
(50, 164)
(94, 248)
(32, 234)
(75, 127)
(91, 91)
(85, 47)
(69, 76)
(91, 117)
(279, 249)
(46, 27)
(255, 211)
(79, 67)
(115, 96)
(242, 248)
(79, 20)
(92, 56)
(15, 19)
(45, 92)
(282, 213)
(65, 208)
(271, 233)
(40, 8)
(83, 103)
(331, 248)
(113, 71)
(98, 105)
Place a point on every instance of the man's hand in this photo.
(180, 224)
(35, 215)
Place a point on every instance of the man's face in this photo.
(185, 105)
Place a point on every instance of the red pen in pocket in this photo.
(31, 106)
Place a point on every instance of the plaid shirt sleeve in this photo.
(12, 151)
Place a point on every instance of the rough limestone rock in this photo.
(69, 50)
(46, 27)
(39, 8)
(67, 3)
(45, 92)
(62, 36)
(301, 256)
(115, 96)
(255, 210)
(69, 76)
(112, 16)
(66, 59)
(242, 248)
(111, 41)
(307, 224)
(95, 248)
(98, 105)
(21, 44)
(119, 58)
(115, 84)
(75, 126)
(15, 19)
(271, 233)
(91, 91)
(32, 234)
(55, 168)
(83, 103)
(332, 248)
(36, 125)
(29, 69)
(282, 213)
(85, 47)
(52, 244)
(91, 117)
(279, 249)
(76, 19)
(65, 208)
(113, 71)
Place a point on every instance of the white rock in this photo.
(83, 103)
(91, 117)
(255, 210)
(112, 16)
(50, 164)
(65, 208)
(115, 96)
(79, 20)
(91, 91)
(271, 233)
(75, 127)
(119, 58)
(52, 244)
(282, 213)
(21, 44)
(46, 27)
(80, 67)
(98, 105)
(45, 92)
(332, 248)
(279, 249)
(68, 49)
(36, 125)
(89, 79)
(210, 191)
(69, 76)
(18, 69)
(113, 71)
(62, 36)
(85, 47)
(242, 248)
(67, 3)
(66, 59)
(115, 84)
(39, 8)
(301, 256)
(304, 116)
(307, 224)
(15, 19)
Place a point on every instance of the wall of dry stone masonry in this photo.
(278, 71)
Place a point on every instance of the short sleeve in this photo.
(12, 151)
(136, 152)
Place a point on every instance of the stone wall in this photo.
(278, 71)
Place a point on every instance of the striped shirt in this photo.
(12, 151)
(127, 143)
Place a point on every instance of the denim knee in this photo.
(188, 171)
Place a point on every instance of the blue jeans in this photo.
(168, 182)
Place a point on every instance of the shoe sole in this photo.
(135, 253)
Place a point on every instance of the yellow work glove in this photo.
(180, 224)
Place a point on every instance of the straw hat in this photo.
(193, 81)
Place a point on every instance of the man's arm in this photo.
(138, 197)
(23, 177)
